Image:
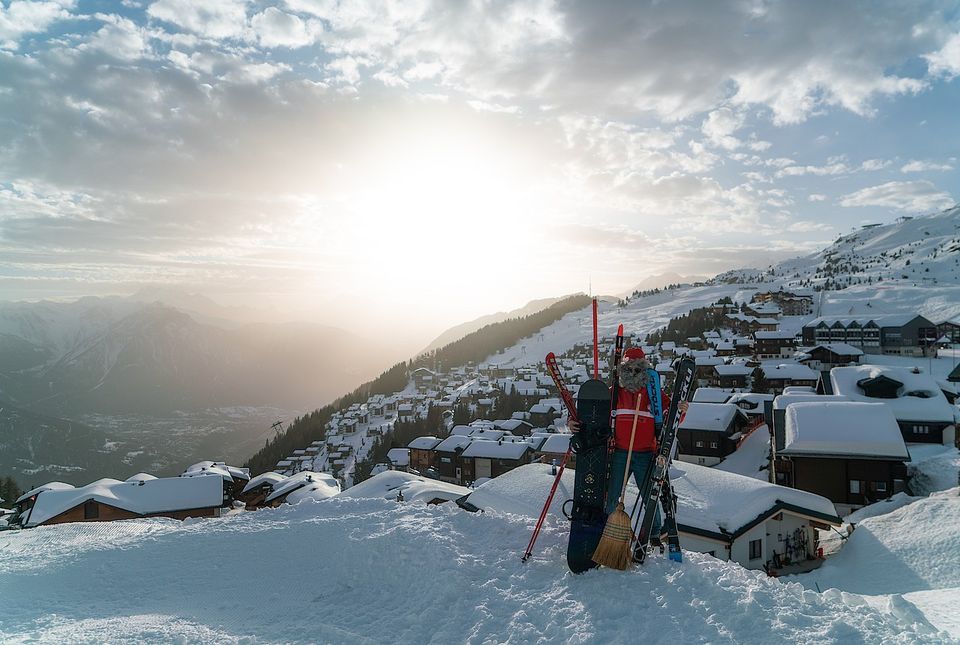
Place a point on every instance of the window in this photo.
(880, 487)
(714, 444)
(445, 460)
(855, 486)
(756, 549)
(91, 510)
(699, 444)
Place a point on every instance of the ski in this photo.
(553, 369)
(660, 471)
(668, 499)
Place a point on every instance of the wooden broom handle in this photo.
(633, 432)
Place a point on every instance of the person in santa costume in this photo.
(635, 380)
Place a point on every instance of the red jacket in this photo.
(645, 438)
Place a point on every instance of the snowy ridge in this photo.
(464, 565)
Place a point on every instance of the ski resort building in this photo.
(732, 376)
(922, 411)
(850, 452)
(774, 344)
(788, 375)
(486, 459)
(254, 494)
(107, 500)
(709, 432)
(905, 335)
(422, 455)
(447, 460)
(826, 356)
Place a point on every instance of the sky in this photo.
(420, 163)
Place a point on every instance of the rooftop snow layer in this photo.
(715, 417)
(907, 406)
(268, 477)
(791, 371)
(783, 400)
(424, 443)
(495, 450)
(711, 395)
(388, 484)
(843, 428)
(143, 497)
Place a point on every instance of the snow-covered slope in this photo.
(913, 548)
(912, 266)
(370, 570)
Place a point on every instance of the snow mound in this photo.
(388, 484)
(914, 548)
(375, 567)
(935, 468)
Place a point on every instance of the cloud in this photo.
(924, 166)
(210, 18)
(119, 37)
(834, 166)
(874, 164)
(719, 127)
(816, 197)
(909, 196)
(274, 28)
(946, 61)
(21, 17)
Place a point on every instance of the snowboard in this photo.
(590, 444)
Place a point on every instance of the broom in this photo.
(614, 548)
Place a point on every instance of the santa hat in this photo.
(634, 354)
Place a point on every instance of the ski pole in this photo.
(546, 507)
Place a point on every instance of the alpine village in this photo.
(810, 408)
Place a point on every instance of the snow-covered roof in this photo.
(315, 490)
(140, 477)
(885, 320)
(462, 430)
(268, 477)
(223, 473)
(424, 443)
(790, 371)
(710, 395)
(843, 349)
(715, 417)
(301, 479)
(556, 443)
(709, 499)
(453, 442)
(782, 401)
(774, 335)
(800, 389)
(495, 449)
(708, 361)
(399, 456)
(846, 428)
(920, 398)
(542, 408)
(512, 424)
(388, 484)
(48, 486)
(733, 370)
(753, 398)
(488, 433)
(143, 497)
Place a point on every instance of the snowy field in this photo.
(369, 570)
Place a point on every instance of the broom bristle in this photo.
(614, 548)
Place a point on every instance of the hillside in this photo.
(459, 331)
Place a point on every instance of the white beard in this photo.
(633, 381)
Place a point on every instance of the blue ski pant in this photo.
(639, 463)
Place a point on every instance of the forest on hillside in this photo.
(472, 348)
